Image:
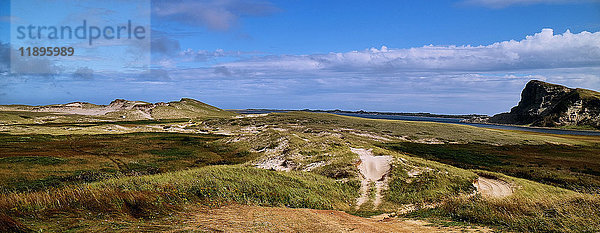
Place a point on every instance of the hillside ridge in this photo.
(126, 109)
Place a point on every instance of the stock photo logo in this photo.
(70, 36)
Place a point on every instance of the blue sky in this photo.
(460, 56)
(301, 27)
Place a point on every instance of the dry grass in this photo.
(155, 195)
(533, 207)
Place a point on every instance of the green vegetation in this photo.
(315, 123)
(432, 183)
(99, 123)
(98, 114)
(153, 196)
(35, 162)
(75, 175)
(571, 167)
(189, 108)
(533, 207)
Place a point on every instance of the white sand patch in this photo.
(251, 129)
(314, 165)
(414, 172)
(373, 169)
(493, 187)
(274, 163)
(429, 141)
(366, 134)
(418, 171)
(250, 115)
(372, 136)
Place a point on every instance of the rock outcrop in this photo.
(550, 105)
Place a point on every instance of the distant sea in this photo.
(447, 120)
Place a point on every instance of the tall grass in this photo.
(434, 183)
(533, 207)
(155, 194)
(574, 213)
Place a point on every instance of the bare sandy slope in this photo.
(241, 218)
(493, 187)
(374, 169)
(79, 108)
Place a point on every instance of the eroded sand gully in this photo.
(373, 170)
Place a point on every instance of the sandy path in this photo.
(374, 169)
(241, 218)
(493, 187)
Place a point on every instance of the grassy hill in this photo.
(188, 108)
(118, 110)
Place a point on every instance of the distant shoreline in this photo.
(416, 114)
(461, 119)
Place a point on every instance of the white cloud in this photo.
(543, 50)
(442, 79)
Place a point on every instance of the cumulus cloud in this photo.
(442, 79)
(542, 50)
(205, 55)
(506, 3)
(215, 14)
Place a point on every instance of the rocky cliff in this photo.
(550, 105)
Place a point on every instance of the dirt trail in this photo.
(241, 218)
(493, 187)
(374, 169)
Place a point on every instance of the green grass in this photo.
(245, 185)
(152, 196)
(428, 187)
(533, 207)
(189, 108)
(313, 123)
(140, 176)
(35, 162)
(184, 109)
(432, 184)
(571, 167)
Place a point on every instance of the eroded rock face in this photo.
(551, 105)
